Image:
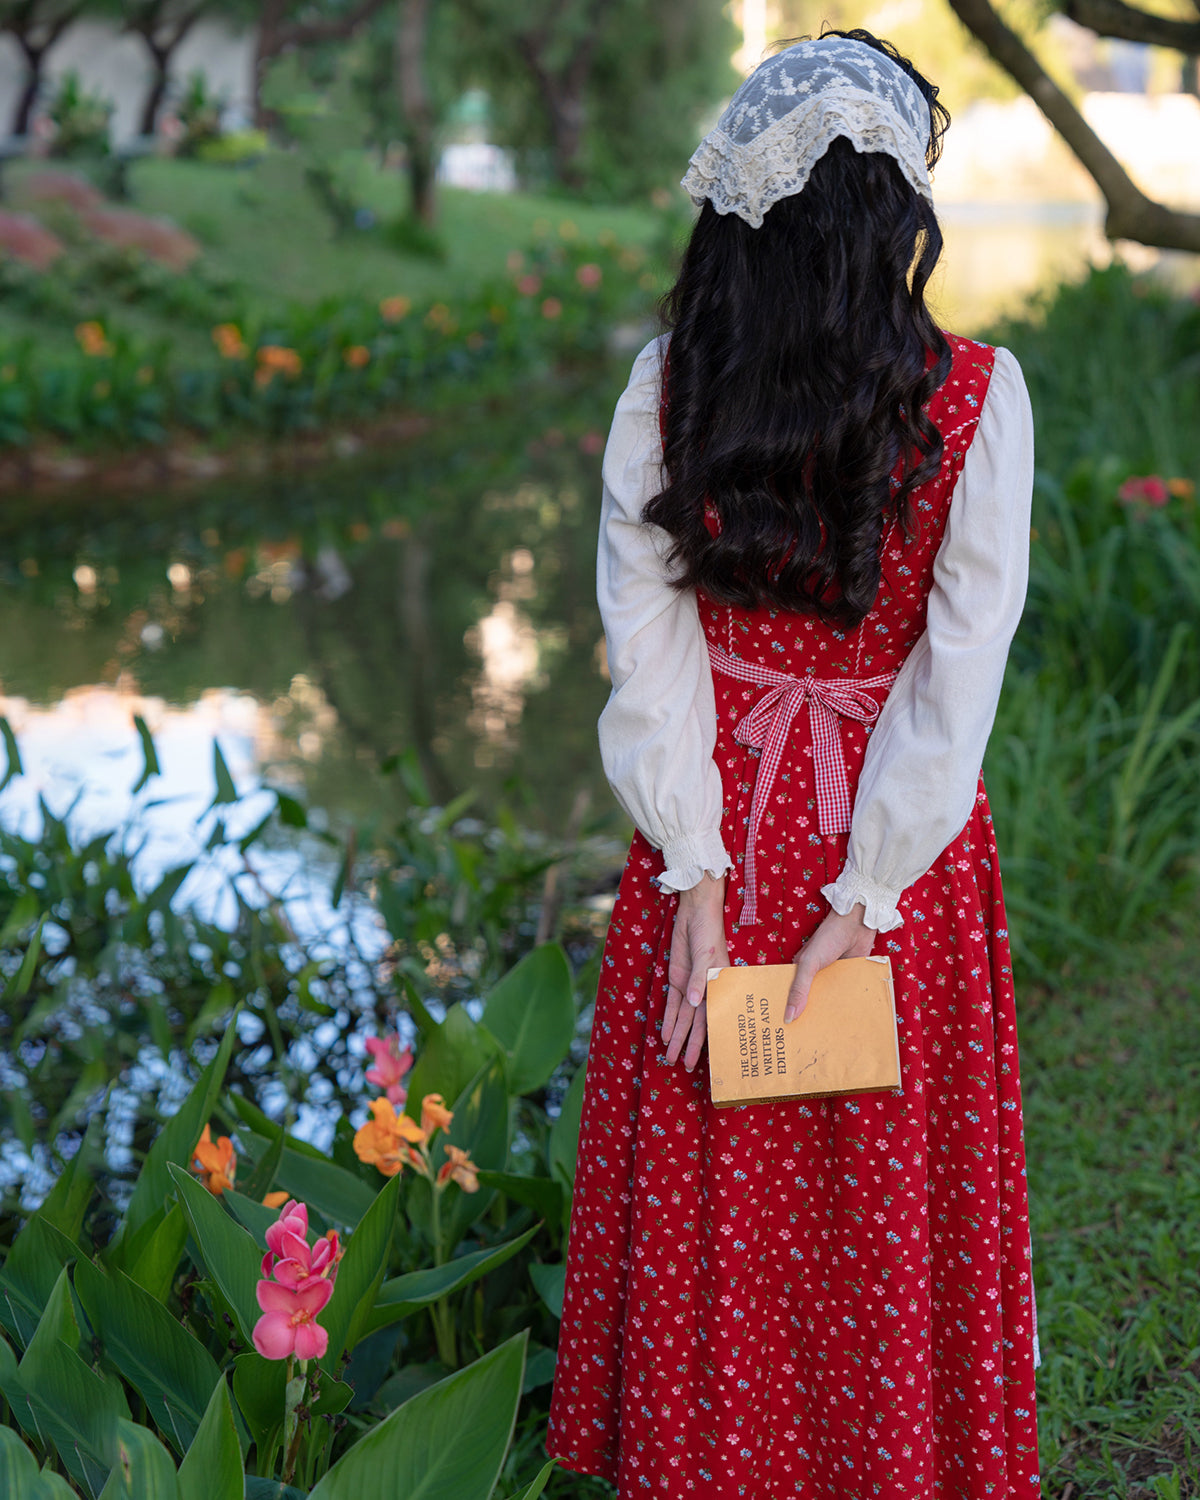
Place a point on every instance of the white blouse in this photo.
(918, 782)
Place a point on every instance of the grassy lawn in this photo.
(1112, 1085)
(276, 242)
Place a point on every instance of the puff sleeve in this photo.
(658, 729)
(921, 770)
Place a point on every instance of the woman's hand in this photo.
(837, 937)
(697, 945)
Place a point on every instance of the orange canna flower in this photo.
(277, 357)
(275, 1200)
(215, 1165)
(386, 1140)
(458, 1167)
(229, 341)
(392, 309)
(357, 356)
(92, 340)
(1182, 489)
(434, 1114)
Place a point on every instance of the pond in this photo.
(436, 600)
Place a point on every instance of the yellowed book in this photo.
(845, 1040)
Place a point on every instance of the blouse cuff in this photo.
(880, 902)
(687, 860)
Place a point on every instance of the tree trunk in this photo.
(416, 106)
(30, 89)
(268, 44)
(1131, 214)
(158, 89)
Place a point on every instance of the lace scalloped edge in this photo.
(748, 179)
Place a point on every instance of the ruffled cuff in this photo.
(880, 903)
(687, 860)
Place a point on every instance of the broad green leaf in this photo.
(176, 1142)
(230, 1256)
(451, 1056)
(448, 1441)
(337, 1195)
(38, 1254)
(539, 1369)
(406, 1294)
(551, 1282)
(564, 1133)
(142, 1468)
(212, 1466)
(51, 1486)
(531, 1013)
(262, 1179)
(252, 1215)
(226, 791)
(360, 1275)
(18, 1467)
(171, 1370)
(150, 766)
(535, 1486)
(272, 1489)
(64, 1405)
(542, 1194)
(157, 1260)
(258, 1388)
(57, 1322)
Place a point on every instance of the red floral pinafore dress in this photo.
(828, 1299)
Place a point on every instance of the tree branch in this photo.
(1115, 18)
(335, 29)
(1131, 214)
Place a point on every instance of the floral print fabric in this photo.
(827, 1299)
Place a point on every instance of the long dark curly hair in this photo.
(802, 356)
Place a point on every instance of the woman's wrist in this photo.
(709, 890)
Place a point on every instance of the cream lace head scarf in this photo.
(784, 117)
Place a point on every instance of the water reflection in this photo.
(438, 600)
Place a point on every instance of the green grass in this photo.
(276, 243)
(1111, 1070)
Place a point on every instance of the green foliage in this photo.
(81, 120)
(414, 1252)
(1094, 763)
(310, 366)
(199, 115)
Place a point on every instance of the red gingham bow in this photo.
(766, 728)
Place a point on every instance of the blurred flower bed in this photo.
(235, 368)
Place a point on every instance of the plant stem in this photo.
(443, 1321)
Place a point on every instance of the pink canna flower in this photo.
(1149, 489)
(289, 1322)
(291, 1260)
(390, 1066)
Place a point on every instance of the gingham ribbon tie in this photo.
(766, 727)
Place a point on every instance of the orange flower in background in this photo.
(357, 356)
(1182, 489)
(215, 1164)
(552, 308)
(386, 1140)
(392, 309)
(458, 1167)
(92, 340)
(434, 1114)
(229, 341)
(276, 357)
(275, 1200)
